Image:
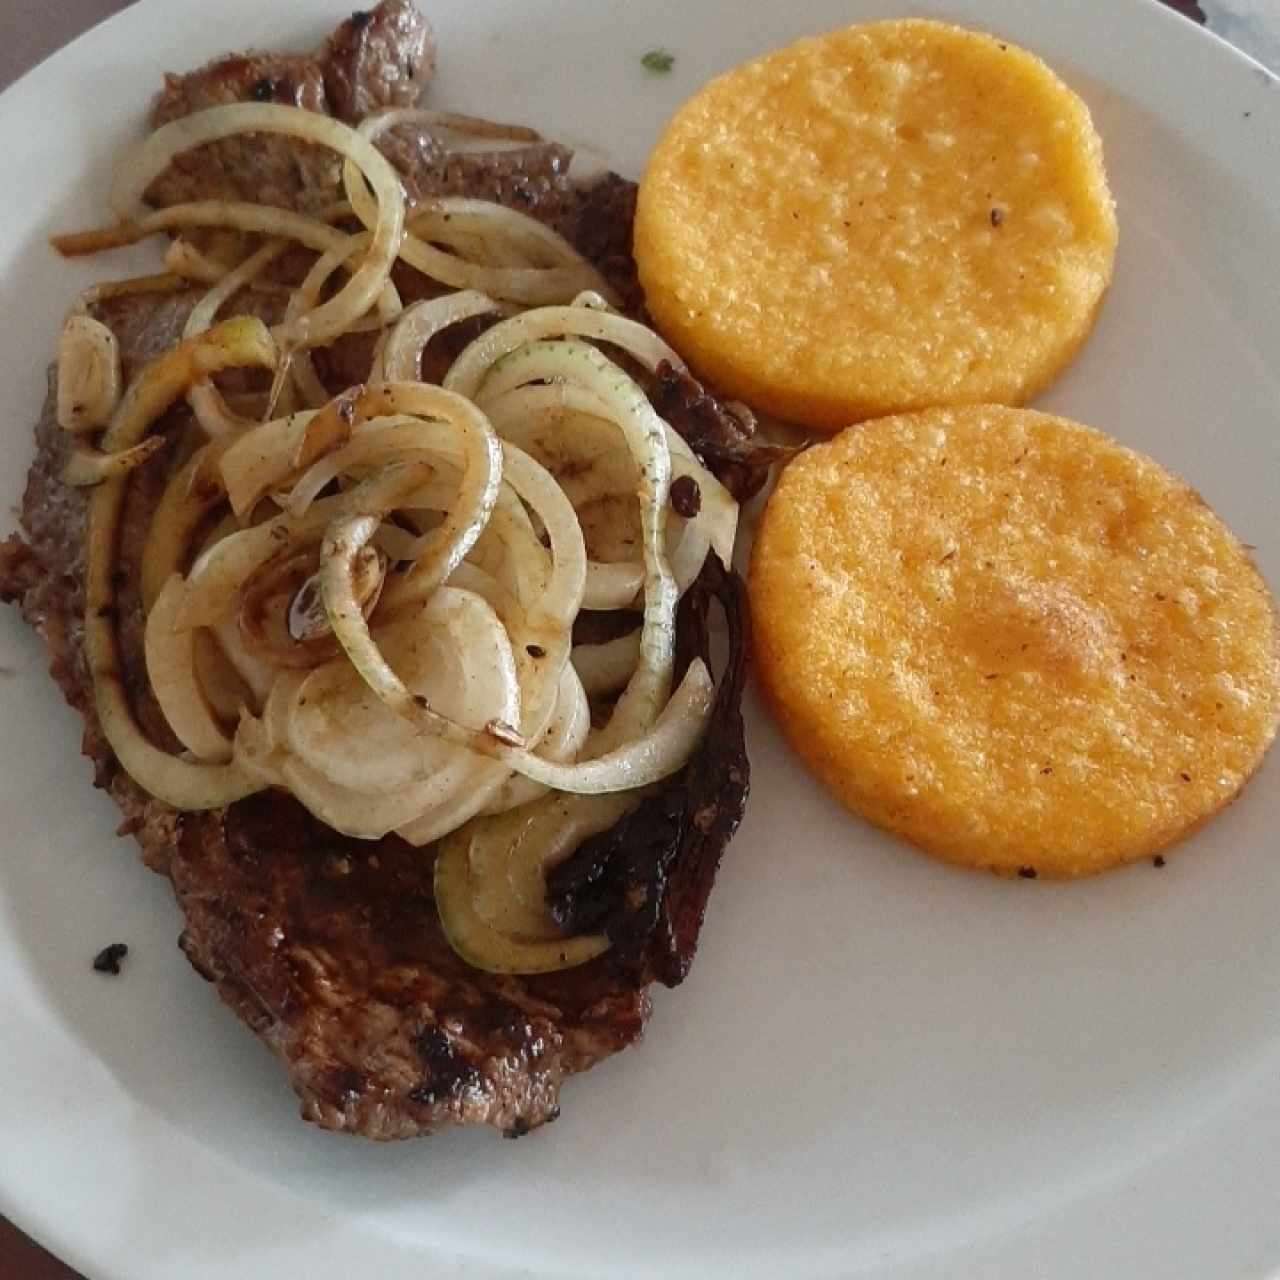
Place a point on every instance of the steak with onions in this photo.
(330, 948)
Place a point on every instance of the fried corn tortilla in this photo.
(1011, 640)
(888, 217)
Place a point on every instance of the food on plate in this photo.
(108, 959)
(377, 523)
(1011, 640)
(887, 217)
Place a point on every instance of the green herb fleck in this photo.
(658, 61)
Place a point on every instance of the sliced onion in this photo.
(206, 401)
(171, 670)
(162, 282)
(461, 421)
(456, 654)
(556, 606)
(227, 693)
(510, 855)
(307, 296)
(606, 668)
(568, 419)
(612, 585)
(193, 492)
(645, 435)
(219, 574)
(483, 946)
(516, 284)
(452, 122)
(262, 458)
(184, 259)
(420, 322)
(468, 371)
(562, 740)
(88, 374)
(177, 782)
(517, 236)
(258, 675)
(280, 603)
(87, 466)
(353, 813)
(170, 140)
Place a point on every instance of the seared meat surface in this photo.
(379, 58)
(330, 948)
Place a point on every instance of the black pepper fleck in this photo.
(997, 216)
(1158, 860)
(108, 959)
(535, 651)
(686, 497)
(1027, 873)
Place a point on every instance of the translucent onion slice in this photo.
(606, 668)
(469, 370)
(219, 574)
(184, 259)
(86, 467)
(510, 855)
(530, 242)
(194, 491)
(612, 584)
(456, 654)
(88, 374)
(534, 417)
(263, 457)
(376, 443)
(556, 607)
(659, 752)
(359, 814)
(258, 675)
(563, 739)
(654, 755)
(483, 946)
(171, 669)
(334, 316)
(454, 122)
(458, 420)
(184, 785)
(645, 434)
(307, 296)
(420, 322)
(260, 751)
(281, 619)
(220, 682)
(530, 286)
(211, 410)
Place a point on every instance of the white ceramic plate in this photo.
(880, 1066)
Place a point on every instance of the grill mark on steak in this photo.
(330, 948)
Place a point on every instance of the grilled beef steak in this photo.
(329, 947)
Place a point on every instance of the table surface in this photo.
(30, 30)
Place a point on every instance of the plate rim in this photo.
(49, 1226)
